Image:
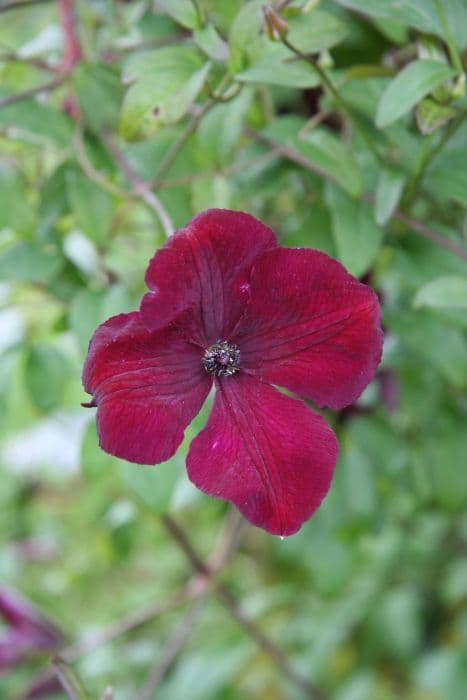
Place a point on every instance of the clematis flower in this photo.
(229, 307)
(27, 630)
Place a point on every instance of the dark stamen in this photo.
(222, 359)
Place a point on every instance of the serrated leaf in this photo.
(166, 83)
(315, 31)
(388, 192)
(415, 81)
(356, 236)
(446, 292)
(333, 156)
(431, 115)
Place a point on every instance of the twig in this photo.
(228, 601)
(20, 4)
(172, 648)
(173, 151)
(113, 54)
(329, 85)
(196, 588)
(26, 94)
(72, 48)
(140, 187)
(417, 226)
(426, 157)
(238, 167)
(88, 168)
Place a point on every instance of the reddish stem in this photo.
(72, 53)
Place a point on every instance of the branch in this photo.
(173, 151)
(228, 601)
(20, 96)
(418, 226)
(72, 48)
(20, 4)
(172, 648)
(197, 587)
(140, 187)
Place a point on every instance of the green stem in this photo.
(199, 12)
(426, 156)
(345, 106)
(168, 159)
(453, 52)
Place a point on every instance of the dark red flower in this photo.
(228, 306)
(27, 631)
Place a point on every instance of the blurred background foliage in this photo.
(341, 124)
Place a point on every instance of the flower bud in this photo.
(276, 27)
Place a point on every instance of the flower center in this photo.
(222, 359)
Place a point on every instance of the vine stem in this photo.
(72, 52)
(453, 52)
(224, 595)
(427, 155)
(32, 92)
(141, 187)
(329, 85)
(414, 224)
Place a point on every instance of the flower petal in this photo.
(310, 327)
(147, 385)
(205, 267)
(265, 452)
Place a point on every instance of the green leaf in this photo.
(209, 41)
(182, 11)
(99, 91)
(46, 373)
(96, 463)
(420, 14)
(89, 308)
(91, 206)
(431, 115)
(446, 292)
(167, 82)
(33, 122)
(334, 156)
(356, 236)
(388, 192)
(448, 178)
(315, 31)
(274, 64)
(23, 262)
(244, 30)
(152, 486)
(15, 210)
(408, 87)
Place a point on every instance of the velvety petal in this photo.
(147, 385)
(267, 453)
(30, 625)
(310, 327)
(205, 268)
